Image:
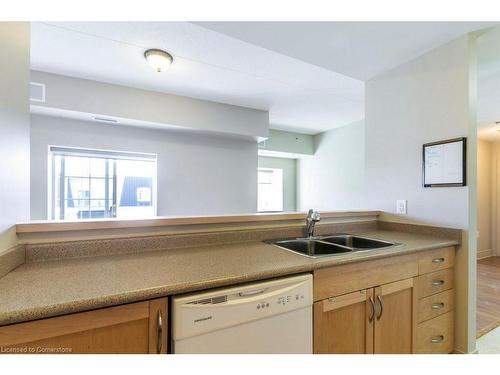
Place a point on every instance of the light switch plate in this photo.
(401, 206)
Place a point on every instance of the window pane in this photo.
(77, 188)
(97, 188)
(135, 179)
(270, 189)
(97, 167)
(90, 183)
(76, 166)
(265, 177)
(75, 209)
(97, 209)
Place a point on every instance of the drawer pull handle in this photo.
(438, 282)
(438, 339)
(438, 260)
(437, 306)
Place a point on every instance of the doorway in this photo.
(488, 185)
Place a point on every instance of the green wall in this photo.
(288, 142)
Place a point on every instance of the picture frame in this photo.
(444, 163)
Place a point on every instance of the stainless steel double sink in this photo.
(318, 247)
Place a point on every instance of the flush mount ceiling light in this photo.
(158, 59)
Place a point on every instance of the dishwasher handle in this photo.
(252, 292)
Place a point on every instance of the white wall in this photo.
(197, 174)
(334, 178)
(422, 101)
(14, 128)
(428, 99)
(370, 165)
(77, 97)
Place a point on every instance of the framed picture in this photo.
(444, 163)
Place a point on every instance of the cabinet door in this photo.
(395, 318)
(344, 324)
(130, 328)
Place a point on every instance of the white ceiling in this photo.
(300, 72)
(208, 65)
(360, 50)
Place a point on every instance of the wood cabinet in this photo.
(435, 290)
(402, 304)
(132, 328)
(334, 281)
(350, 317)
(376, 320)
(436, 335)
(395, 318)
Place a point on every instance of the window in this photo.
(270, 189)
(93, 184)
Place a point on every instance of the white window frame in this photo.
(74, 151)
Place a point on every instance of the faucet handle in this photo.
(316, 216)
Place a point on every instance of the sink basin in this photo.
(356, 242)
(332, 245)
(312, 248)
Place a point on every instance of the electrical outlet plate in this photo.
(401, 206)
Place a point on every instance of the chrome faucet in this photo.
(312, 218)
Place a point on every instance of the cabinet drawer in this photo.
(436, 260)
(435, 282)
(436, 335)
(343, 279)
(435, 305)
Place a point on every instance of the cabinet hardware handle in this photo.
(372, 303)
(438, 282)
(381, 303)
(438, 260)
(159, 332)
(437, 340)
(437, 306)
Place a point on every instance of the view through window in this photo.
(92, 184)
(270, 189)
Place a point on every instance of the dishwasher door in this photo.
(267, 317)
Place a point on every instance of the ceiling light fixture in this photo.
(158, 59)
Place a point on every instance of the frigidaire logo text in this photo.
(202, 319)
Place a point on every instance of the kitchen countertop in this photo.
(50, 288)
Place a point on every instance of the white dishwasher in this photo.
(264, 317)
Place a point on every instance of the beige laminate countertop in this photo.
(50, 288)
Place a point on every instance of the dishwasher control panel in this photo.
(195, 314)
(282, 301)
